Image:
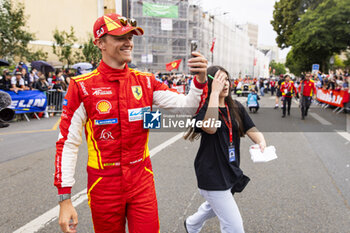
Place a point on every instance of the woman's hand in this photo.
(262, 146)
(218, 82)
(257, 137)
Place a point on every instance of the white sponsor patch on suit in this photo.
(83, 88)
(106, 135)
(102, 91)
(136, 114)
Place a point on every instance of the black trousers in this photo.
(305, 105)
(286, 100)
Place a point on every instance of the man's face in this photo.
(307, 77)
(117, 48)
(18, 76)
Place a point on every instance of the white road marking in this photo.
(51, 215)
(345, 135)
(320, 119)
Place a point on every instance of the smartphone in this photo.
(194, 46)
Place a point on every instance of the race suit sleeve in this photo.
(169, 99)
(73, 120)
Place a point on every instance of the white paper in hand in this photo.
(258, 157)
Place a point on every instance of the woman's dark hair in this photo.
(232, 105)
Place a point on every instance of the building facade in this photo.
(167, 37)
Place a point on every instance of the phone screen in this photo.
(194, 46)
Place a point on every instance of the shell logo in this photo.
(103, 106)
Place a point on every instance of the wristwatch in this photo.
(62, 197)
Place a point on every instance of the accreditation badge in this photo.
(231, 153)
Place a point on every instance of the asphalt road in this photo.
(307, 189)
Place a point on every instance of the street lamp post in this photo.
(212, 17)
(187, 32)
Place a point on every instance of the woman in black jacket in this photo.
(218, 157)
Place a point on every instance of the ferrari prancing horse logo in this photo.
(137, 91)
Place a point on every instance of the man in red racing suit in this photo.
(109, 104)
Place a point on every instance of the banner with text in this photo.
(157, 10)
(334, 98)
(28, 101)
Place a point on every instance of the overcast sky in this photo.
(253, 11)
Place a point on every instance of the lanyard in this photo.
(228, 123)
(287, 85)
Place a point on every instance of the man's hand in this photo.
(198, 64)
(68, 218)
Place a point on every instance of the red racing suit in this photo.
(109, 104)
(309, 88)
(288, 89)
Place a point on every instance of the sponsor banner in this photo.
(158, 10)
(28, 101)
(334, 98)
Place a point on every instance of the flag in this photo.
(255, 60)
(173, 65)
(212, 45)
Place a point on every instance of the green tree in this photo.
(338, 63)
(279, 67)
(63, 46)
(297, 63)
(286, 14)
(90, 51)
(14, 39)
(322, 32)
(347, 61)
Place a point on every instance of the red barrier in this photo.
(334, 98)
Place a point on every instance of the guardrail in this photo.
(54, 100)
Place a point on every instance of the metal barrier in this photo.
(54, 100)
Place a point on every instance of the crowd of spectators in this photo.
(336, 80)
(22, 80)
(172, 79)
